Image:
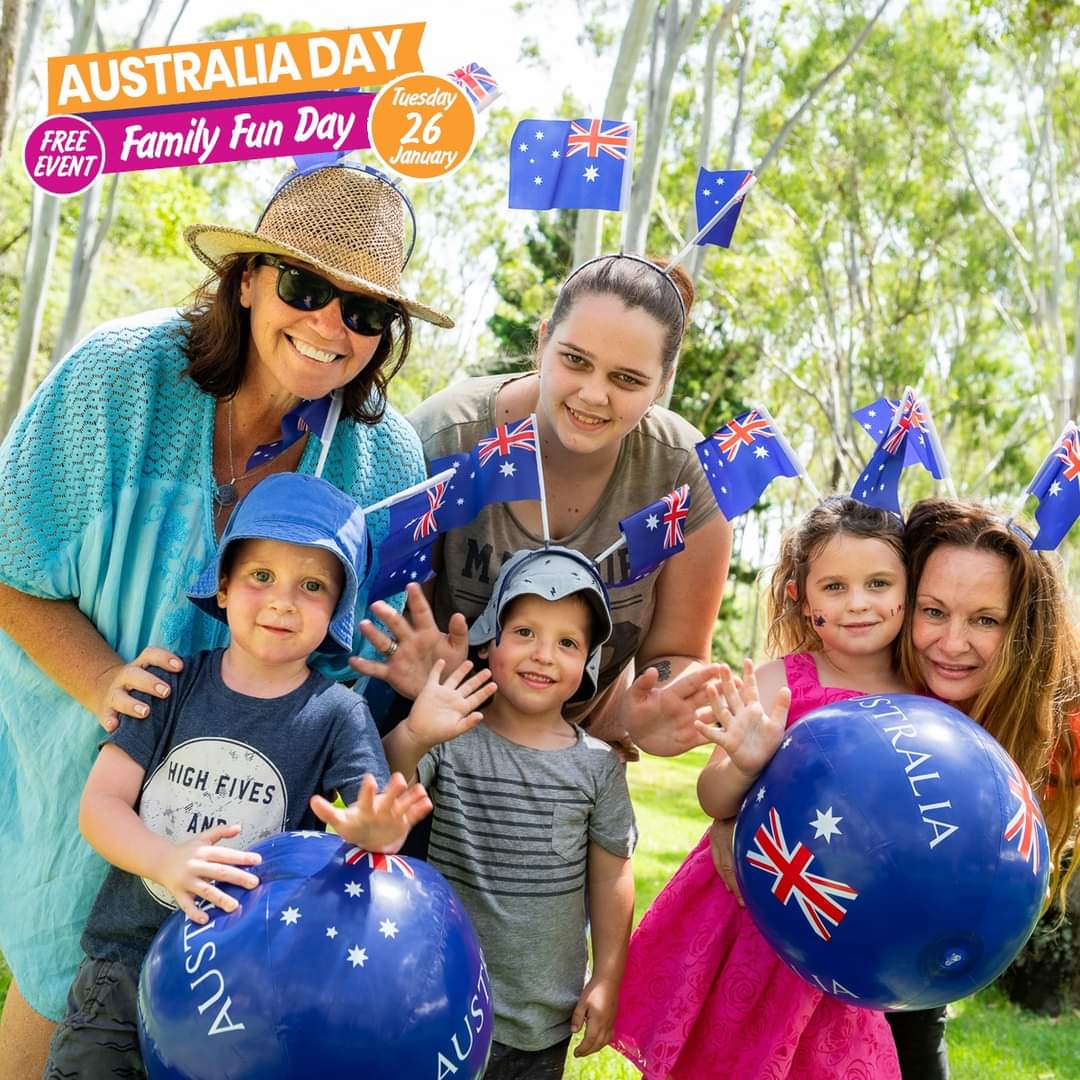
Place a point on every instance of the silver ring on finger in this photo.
(390, 649)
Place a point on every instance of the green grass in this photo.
(989, 1037)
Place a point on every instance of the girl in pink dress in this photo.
(704, 996)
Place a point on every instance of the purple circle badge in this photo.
(64, 155)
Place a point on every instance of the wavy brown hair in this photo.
(219, 332)
(1033, 688)
(790, 631)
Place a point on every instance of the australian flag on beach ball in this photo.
(341, 962)
(892, 853)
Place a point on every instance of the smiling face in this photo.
(304, 354)
(855, 595)
(279, 599)
(600, 369)
(960, 620)
(541, 653)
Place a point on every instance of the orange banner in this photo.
(222, 70)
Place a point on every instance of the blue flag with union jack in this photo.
(879, 483)
(478, 84)
(502, 467)
(571, 164)
(395, 571)
(307, 416)
(1057, 487)
(713, 190)
(742, 458)
(654, 534)
(921, 448)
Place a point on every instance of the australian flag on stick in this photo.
(571, 164)
(713, 190)
(502, 467)
(478, 84)
(395, 572)
(923, 447)
(742, 458)
(879, 483)
(654, 534)
(307, 416)
(1057, 487)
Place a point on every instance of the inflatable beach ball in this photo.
(341, 962)
(892, 853)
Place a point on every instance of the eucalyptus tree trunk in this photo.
(708, 83)
(589, 222)
(675, 35)
(44, 222)
(1038, 265)
(94, 228)
(12, 27)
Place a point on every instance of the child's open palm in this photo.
(736, 721)
(378, 820)
(446, 708)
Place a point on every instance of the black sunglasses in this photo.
(307, 291)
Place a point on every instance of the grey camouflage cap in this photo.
(552, 573)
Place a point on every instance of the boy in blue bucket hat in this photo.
(249, 742)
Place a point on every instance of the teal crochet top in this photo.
(106, 499)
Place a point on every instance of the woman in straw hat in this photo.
(604, 358)
(119, 477)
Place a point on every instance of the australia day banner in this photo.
(225, 101)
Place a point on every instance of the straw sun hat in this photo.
(338, 218)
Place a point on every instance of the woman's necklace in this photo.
(226, 494)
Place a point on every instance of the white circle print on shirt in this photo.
(206, 782)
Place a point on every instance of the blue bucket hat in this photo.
(551, 572)
(298, 509)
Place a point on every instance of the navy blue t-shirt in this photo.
(215, 757)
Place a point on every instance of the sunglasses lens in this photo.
(307, 291)
(302, 289)
(364, 315)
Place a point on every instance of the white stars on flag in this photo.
(825, 825)
(591, 173)
(331, 932)
(388, 928)
(357, 956)
(290, 916)
(651, 522)
(354, 888)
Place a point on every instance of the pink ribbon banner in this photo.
(235, 131)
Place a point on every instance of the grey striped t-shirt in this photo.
(511, 832)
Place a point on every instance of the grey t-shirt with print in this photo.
(212, 756)
(511, 831)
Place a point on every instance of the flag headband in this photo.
(638, 259)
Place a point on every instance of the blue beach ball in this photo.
(340, 963)
(892, 853)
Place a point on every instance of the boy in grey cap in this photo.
(249, 742)
(529, 810)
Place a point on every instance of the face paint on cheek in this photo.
(819, 620)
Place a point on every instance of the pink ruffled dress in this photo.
(704, 996)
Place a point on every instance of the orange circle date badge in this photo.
(422, 126)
